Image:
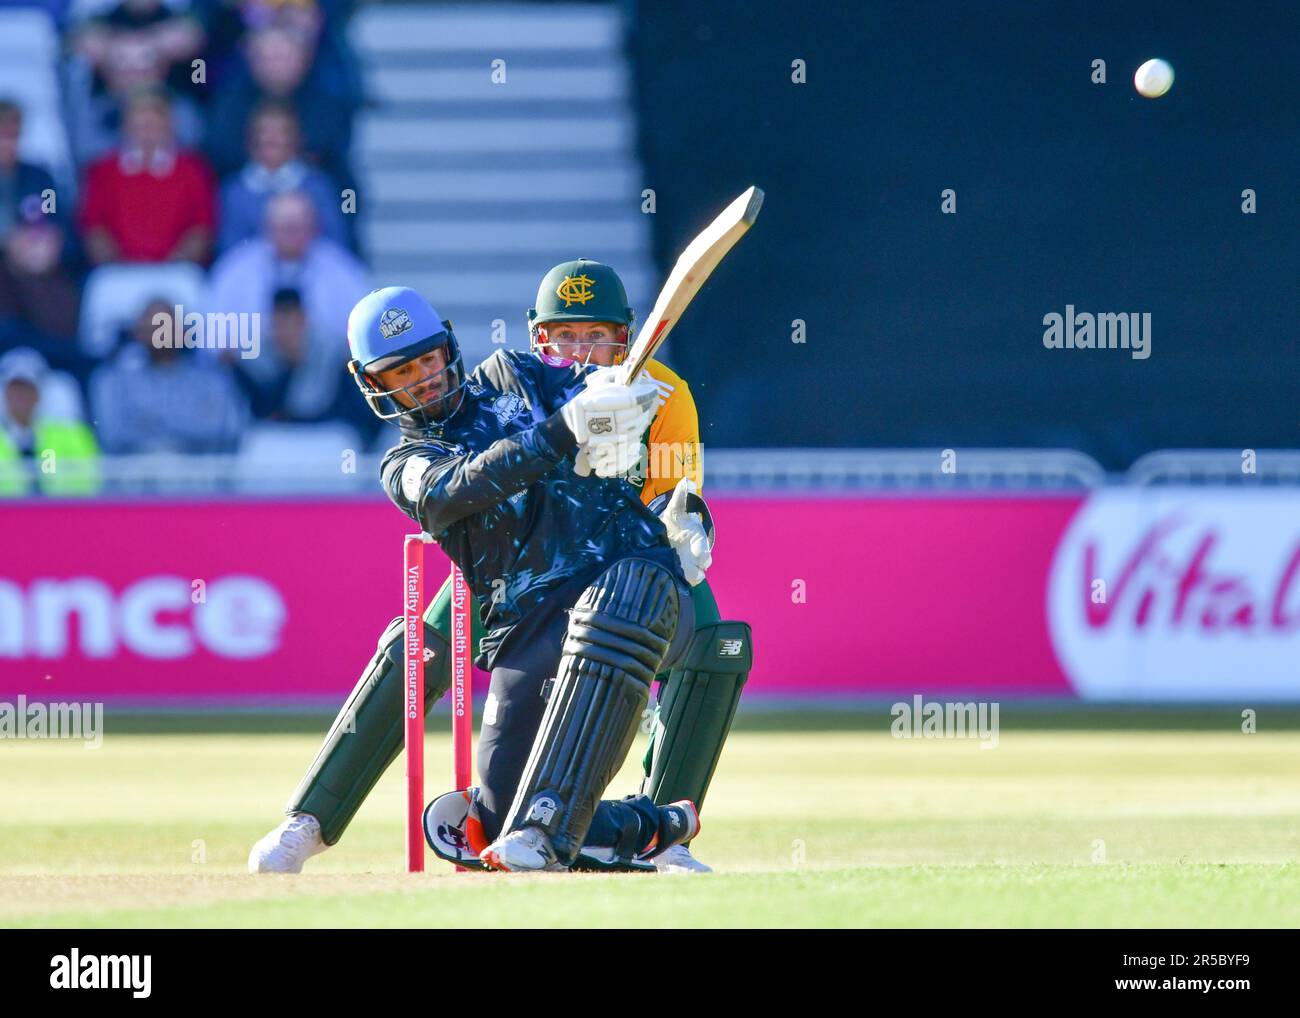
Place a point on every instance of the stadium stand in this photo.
(482, 143)
(477, 184)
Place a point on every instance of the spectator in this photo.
(149, 201)
(231, 19)
(44, 443)
(304, 388)
(38, 297)
(277, 60)
(290, 254)
(160, 397)
(334, 69)
(135, 44)
(23, 186)
(309, 388)
(274, 167)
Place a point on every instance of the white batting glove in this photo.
(608, 419)
(613, 468)
(687, 534)
(613, 457)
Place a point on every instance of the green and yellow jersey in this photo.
(673, 441)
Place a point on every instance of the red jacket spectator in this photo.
(149, 201)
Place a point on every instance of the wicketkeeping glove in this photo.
(687, 534)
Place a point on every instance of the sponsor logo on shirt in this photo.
(507, 407)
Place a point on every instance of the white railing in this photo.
(1217, 466)
(868, 470)
(727, 471)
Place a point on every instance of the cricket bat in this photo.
(693, 266)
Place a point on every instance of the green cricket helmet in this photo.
(581, 291)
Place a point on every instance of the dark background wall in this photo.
(926, 329)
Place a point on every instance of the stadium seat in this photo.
(61, 397)
(29, 53)
(274, 454)
(458, 205)
(28, 36)
(115, 294)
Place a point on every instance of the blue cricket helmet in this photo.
(386, 329)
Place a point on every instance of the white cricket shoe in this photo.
(678, 859)
(527, 850)
(287, 847)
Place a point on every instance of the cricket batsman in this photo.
(582, 315)
(517, 472)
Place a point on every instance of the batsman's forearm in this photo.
(471, 484)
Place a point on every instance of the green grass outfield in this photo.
(1098, 819)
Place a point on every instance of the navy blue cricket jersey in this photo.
(494, 485)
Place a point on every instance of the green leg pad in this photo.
(368, 733)
(706, 613)
(696, 706)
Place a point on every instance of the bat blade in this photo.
(693, 267)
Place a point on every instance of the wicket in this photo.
(462, 644)
(462, 667)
